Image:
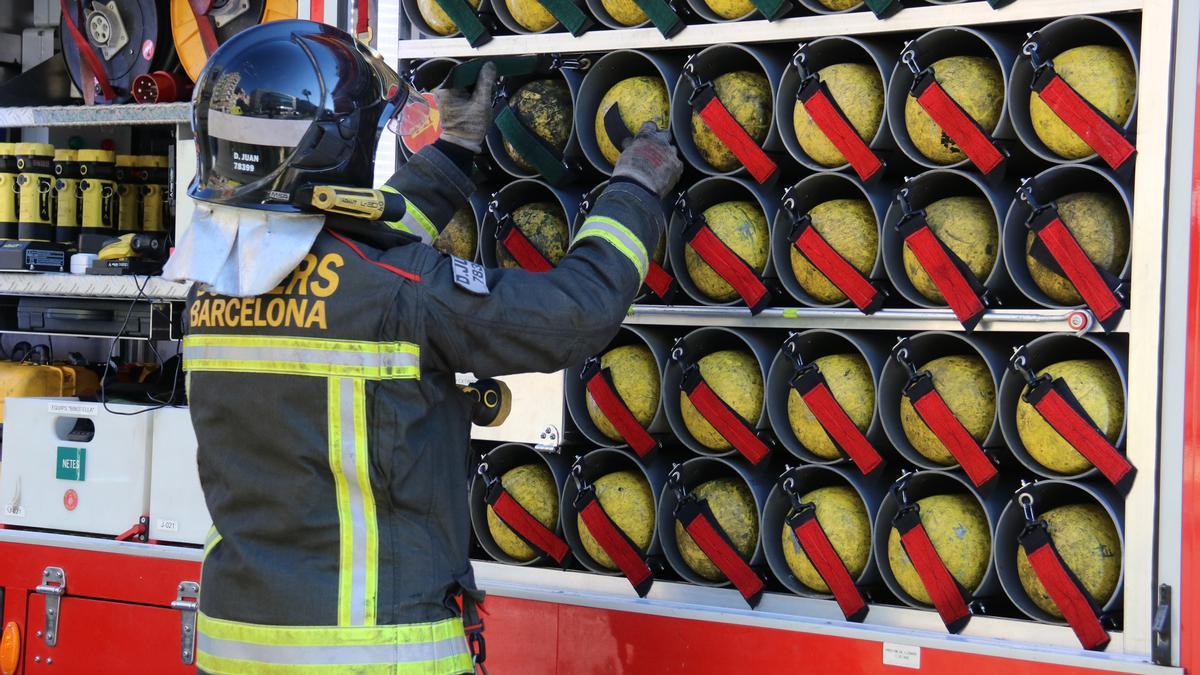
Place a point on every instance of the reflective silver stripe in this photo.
(415, 227)
(620, 237)
(381, 360)
(292, 655)
(358, 521)
(256, 130)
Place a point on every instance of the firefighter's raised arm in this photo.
(523, 321)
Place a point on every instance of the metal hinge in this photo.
(1160, 651)
(549, 439)
(54, 584)
(187, 602)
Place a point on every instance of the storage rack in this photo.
(1157, 275)
(1152, 276)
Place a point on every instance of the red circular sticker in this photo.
(148, 50)
(70, 500)
(424, 131)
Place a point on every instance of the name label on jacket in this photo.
(297, 302)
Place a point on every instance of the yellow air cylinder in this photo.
(35, 218)
(66, 196)
(98, 191)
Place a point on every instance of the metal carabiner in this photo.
(1019, 362)
(488, 479)
(675, 482)
(899, 490)
(581, 483)
(1026, 501)
(1031, 50)
(903, 356)
(909, 58)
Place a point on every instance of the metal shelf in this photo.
(984, 635)
(919, 19)
(999, 320)
(88, 286)
(96, 115)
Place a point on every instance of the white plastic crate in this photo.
(177, 509)
(96, 482)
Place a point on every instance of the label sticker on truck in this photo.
(904, 656)
(14, 511)
(72, 463)
(74, 408)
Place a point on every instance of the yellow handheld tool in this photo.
(66, 196)
(362, 203)
(8, 190)
(98, 191)
(129, 194)
(35, 161)
(154, 190)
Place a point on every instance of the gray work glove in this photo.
(650, 160)
(467, 115)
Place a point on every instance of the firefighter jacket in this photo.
(333, 441)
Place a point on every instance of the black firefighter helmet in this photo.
(286, 105)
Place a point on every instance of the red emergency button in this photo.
(70, 500)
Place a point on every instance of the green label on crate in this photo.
(71, 463)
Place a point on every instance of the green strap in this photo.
(464, 74)
(532, 148)
(884, 8)
(467, 21)
(662, 16)
(569, 15)
(772, 9)
(997, 4)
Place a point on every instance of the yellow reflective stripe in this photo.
(413, 219)
(322, 636)
(211, 540)
(313, 369)
(358, 555)
(459, 664)
(412, 649)
(345, 550)
(302, 356)
(621, 239)
(302, 343)
(362, 467)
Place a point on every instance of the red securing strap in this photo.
(718, 118)
(933, 410)
(729, 266)
(87, 54)
(724, 419)
(857, 287)
(1055, 402)
(946, 272)
(600, 386)
(523, 250)
(1072, 599)
(1094, 127)
(363, 20)
(833, 419)
(828, 116)
(828, 564)
(949, 597)
(524, 524)
(616, 545)
(957, 124)
(1080, 269)
(208, 35)
(659, 280)
(702, 526)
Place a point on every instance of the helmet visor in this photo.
(417, 121)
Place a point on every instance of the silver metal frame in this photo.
(1155, 278)
(1162, 215)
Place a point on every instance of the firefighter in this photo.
(333, 442)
